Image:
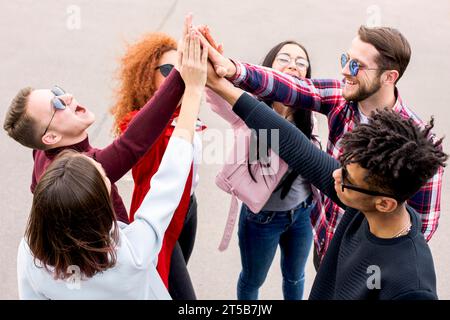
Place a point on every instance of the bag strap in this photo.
(231, 220)
(281, 183)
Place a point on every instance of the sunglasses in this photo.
(353, 65)
(57, 103)
(358, 189)
(165, 69)
(284, 60)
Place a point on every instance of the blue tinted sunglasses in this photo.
(353, 65)
(57, 103)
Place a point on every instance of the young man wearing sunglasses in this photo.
(378, 251)
(376, 60)
(52, 120)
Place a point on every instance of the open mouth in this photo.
(79, 110)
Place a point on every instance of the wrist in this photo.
(231, 69)
(194, 90)
(226, 90)
(220, 85)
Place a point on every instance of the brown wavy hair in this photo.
(137, 74)
(72, 220)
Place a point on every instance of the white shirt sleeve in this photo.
(145, 234)
(25, 286)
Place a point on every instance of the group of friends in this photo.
(371, 200)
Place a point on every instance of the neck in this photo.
(71, 141)
(383, 98)
(388, 225)
(282, 110)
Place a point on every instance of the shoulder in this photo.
(406, 112)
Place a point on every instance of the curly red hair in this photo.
(137, 74)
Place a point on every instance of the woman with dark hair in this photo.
(143, 70)
(73, 246)
(285, 218)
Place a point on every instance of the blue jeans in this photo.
(259, 236)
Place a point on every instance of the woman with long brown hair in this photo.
(143, 69)
(287, 216)
(73, 246)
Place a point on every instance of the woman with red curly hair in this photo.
(143, 69)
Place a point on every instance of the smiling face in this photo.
(298, 61)
(366, 82)
(67, 125)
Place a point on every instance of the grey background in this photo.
(39, 48)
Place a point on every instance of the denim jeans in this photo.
(259, 236)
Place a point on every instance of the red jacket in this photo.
(142, 172)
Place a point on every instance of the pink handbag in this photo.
(234, 177)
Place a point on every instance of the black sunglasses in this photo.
(358, 189)
(57, 103)
(165, 69)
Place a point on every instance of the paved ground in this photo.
(44, 43)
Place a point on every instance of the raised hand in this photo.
(206, 32)
(193, 65)
(193, 62)
(187, 26)
(223, 66)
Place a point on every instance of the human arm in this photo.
(121, 155)
(146, 233)
(222, 108)
(294, 148)
(268, 84)
(427, 202)
(124, 152)
(319, 95)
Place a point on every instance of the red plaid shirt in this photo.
(325, 96)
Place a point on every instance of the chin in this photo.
(349, 96)
(89, 118)
(342, 199)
